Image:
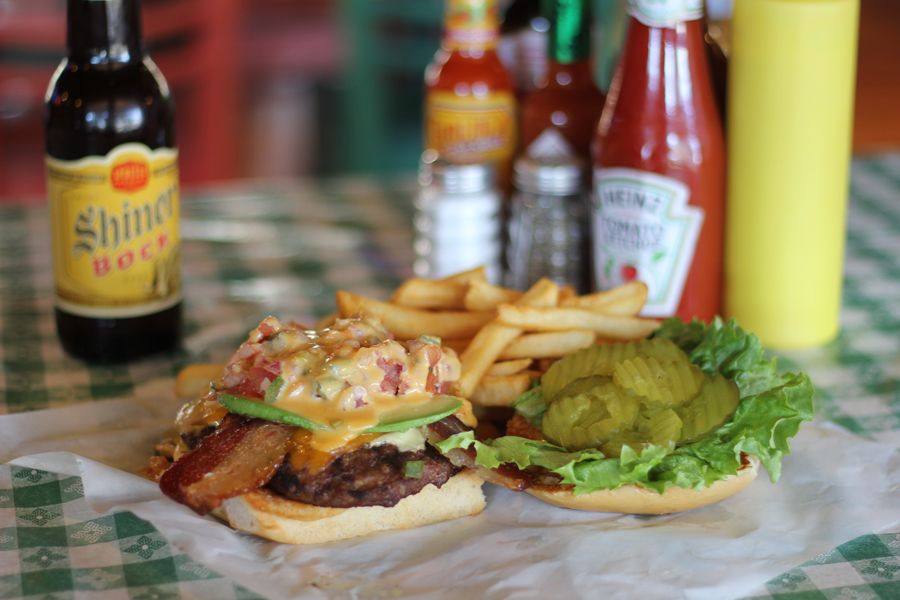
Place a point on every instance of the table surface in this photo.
(259, 248)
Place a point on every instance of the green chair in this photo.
(379, 117)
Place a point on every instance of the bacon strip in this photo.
(234, 460)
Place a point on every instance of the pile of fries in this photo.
(505, 338)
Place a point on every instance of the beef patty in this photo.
(371, 476)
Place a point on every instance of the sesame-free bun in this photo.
(633, 499)
(276, 518)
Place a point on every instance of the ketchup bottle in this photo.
(470, 107)
(659, 178)
(560, 117)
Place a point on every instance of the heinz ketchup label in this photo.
(644, 229)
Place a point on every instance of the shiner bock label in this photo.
(115, 232)
(665, 13)
(644, 229)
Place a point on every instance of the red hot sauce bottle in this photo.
(560, 117)
(659, 169)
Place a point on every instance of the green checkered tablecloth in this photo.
(284, 248)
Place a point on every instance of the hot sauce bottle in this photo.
(469, 103)
(659, 169)
(560, 117)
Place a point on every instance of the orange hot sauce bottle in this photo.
(659, 178)
(560, 117)
(469, 102)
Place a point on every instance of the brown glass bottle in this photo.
(113, 189)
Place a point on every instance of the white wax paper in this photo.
(834, 487)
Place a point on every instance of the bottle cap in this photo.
(558, 175)
(455, 178)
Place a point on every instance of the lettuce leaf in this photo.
(772, 407)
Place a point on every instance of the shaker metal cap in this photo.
(455, 178)
(556, 175)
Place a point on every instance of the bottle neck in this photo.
(471, 26)
(570, 74)
(665, 13)
(660, 71)
(569, 37)
(104, 31)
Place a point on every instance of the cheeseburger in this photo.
(318, 435)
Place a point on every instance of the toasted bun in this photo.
(636, 500)
(270, 516)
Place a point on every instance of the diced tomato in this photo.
(392, 371)
(256, 380)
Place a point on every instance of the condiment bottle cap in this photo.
(557, 175)
(455, 178)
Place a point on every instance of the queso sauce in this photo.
(345, 376)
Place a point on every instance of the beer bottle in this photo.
(659, 169)
(469, 102)
(112, 180)
(560, 117)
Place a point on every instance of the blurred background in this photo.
(287, 88)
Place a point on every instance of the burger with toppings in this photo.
(661, 425)
(319, 435)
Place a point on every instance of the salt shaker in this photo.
(549, 223)
(458, 219)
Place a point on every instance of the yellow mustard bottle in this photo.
(790, 105)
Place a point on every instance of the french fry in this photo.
(482, 295)
(626, 300)
(560, 319)
(547, 345)
(494, 337)
(509, 367)
(476, 274)
(410, 323)
(193, 380)
(431, 293)
(501, 390)
(566, 293)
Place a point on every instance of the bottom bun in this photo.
(276, 518)
(633, 499)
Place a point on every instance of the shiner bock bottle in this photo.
(112, 179)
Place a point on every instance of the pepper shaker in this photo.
(549, 223)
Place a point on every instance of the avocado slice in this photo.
(407, 417)
(399, 419)
(254, 408)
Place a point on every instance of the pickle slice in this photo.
(662, 382)
(585, 420)
(601, 359)
(582, 385)
(716, 402)
(662, 428)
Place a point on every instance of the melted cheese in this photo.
(304, 456)
(348, 376)
(345, 376)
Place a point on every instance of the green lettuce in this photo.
(771, 409)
